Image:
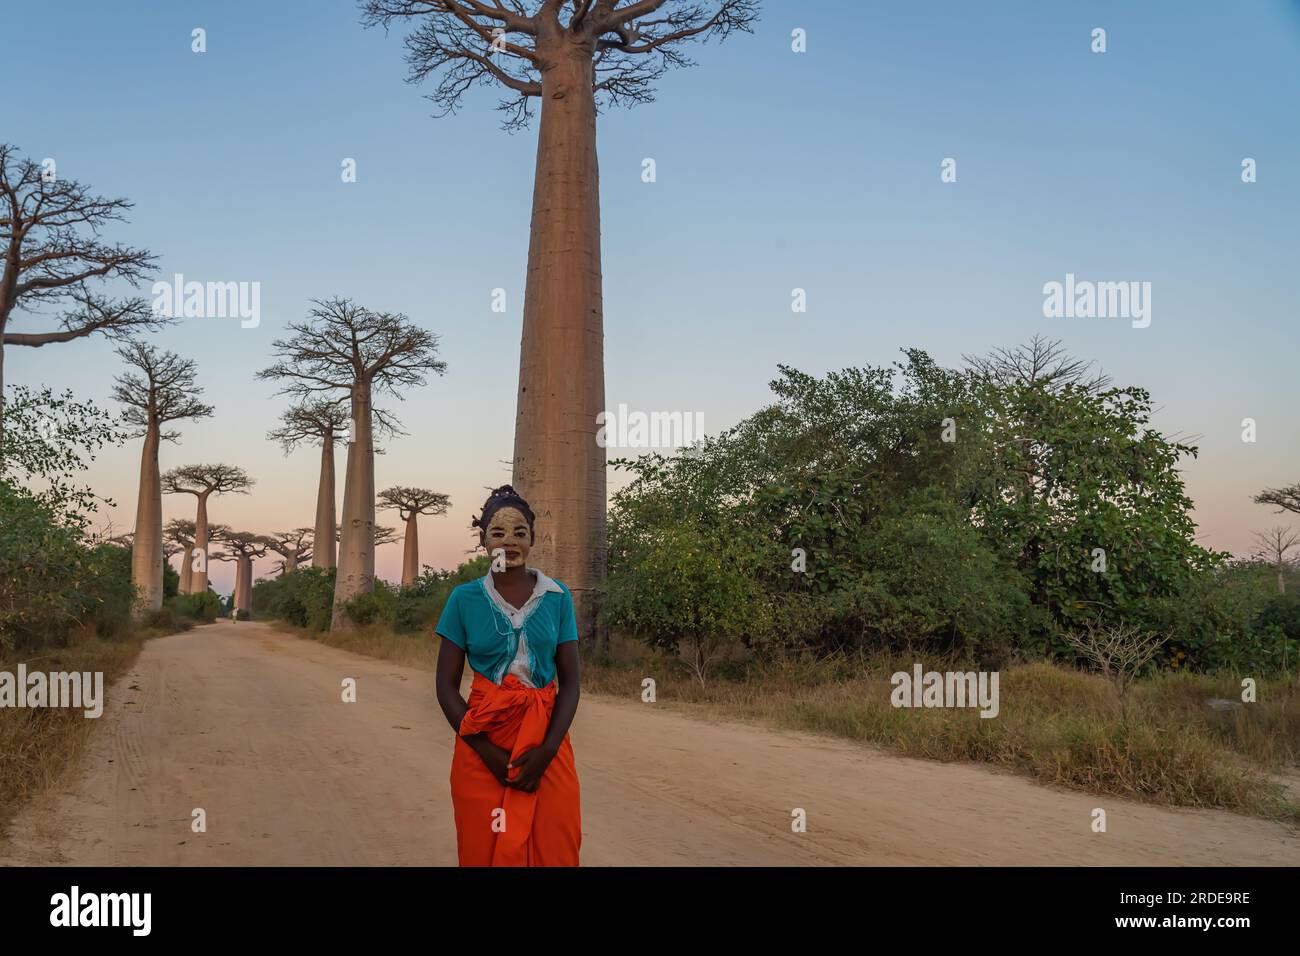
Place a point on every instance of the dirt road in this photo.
(248, 724)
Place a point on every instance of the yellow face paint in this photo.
(508, 530)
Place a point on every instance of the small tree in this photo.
(1273, 546)
(1119, 651)
(161, 390)
(51, 255)
(320, 421)
(202, 481)
(345, 347)
(410, 503)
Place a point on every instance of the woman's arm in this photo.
(451, 667)
(533, 763)
(566, 699)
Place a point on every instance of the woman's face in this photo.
(508, 529)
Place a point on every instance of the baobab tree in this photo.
(51, 256)
(203, 481)
(161, 390)
(178, 536)
(180, 533)
(320, 421)
(410, 503)
(292, 547)
(1284, 499)
(1273, 546)
(574, 56)
(345, 347)
(243, 547)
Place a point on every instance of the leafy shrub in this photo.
(198, 607)
(304, 598)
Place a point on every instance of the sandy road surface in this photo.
(247, 723)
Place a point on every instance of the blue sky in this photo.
(775, 170)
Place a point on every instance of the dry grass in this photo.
(40, 747)
(413, 650)
(1164, 746)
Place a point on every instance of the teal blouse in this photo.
(499, 639)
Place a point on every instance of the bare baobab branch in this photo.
(51, 254)
(468, 43)
(292, 546)
(1041, 361)
(1284, 499)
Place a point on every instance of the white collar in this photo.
(517, 617)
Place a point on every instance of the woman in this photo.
(514, 786)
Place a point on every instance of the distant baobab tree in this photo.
(51, 255)
(410, 503)
(178, 536)
(1273, 546)
(292, 547)
(346, 347)
(243, 547)
(202, 481)
(317, 420)
(574, 57)
(1284, 499)
(159, 391)
(180, 533)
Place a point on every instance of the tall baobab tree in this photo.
(410, 503)
(575, 57)
(159, 391)
(292, 547)
(1273, 546)
(243, 547)
(51, 256)
(345, 347)
(318, 420)
(203, 481)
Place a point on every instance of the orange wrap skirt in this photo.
(502, 826)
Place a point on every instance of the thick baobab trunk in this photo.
(199, 575)
(411, 551)
(245, 600)
(243, 584)
(323, 547)
(290, 564)
(187, 566)
(558, 466)
(356, 567)
(239, 587)
(146, 546)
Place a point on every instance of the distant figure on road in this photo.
(514, 786)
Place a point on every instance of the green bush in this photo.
(197, 607)
(304, 598)
(165, 619)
